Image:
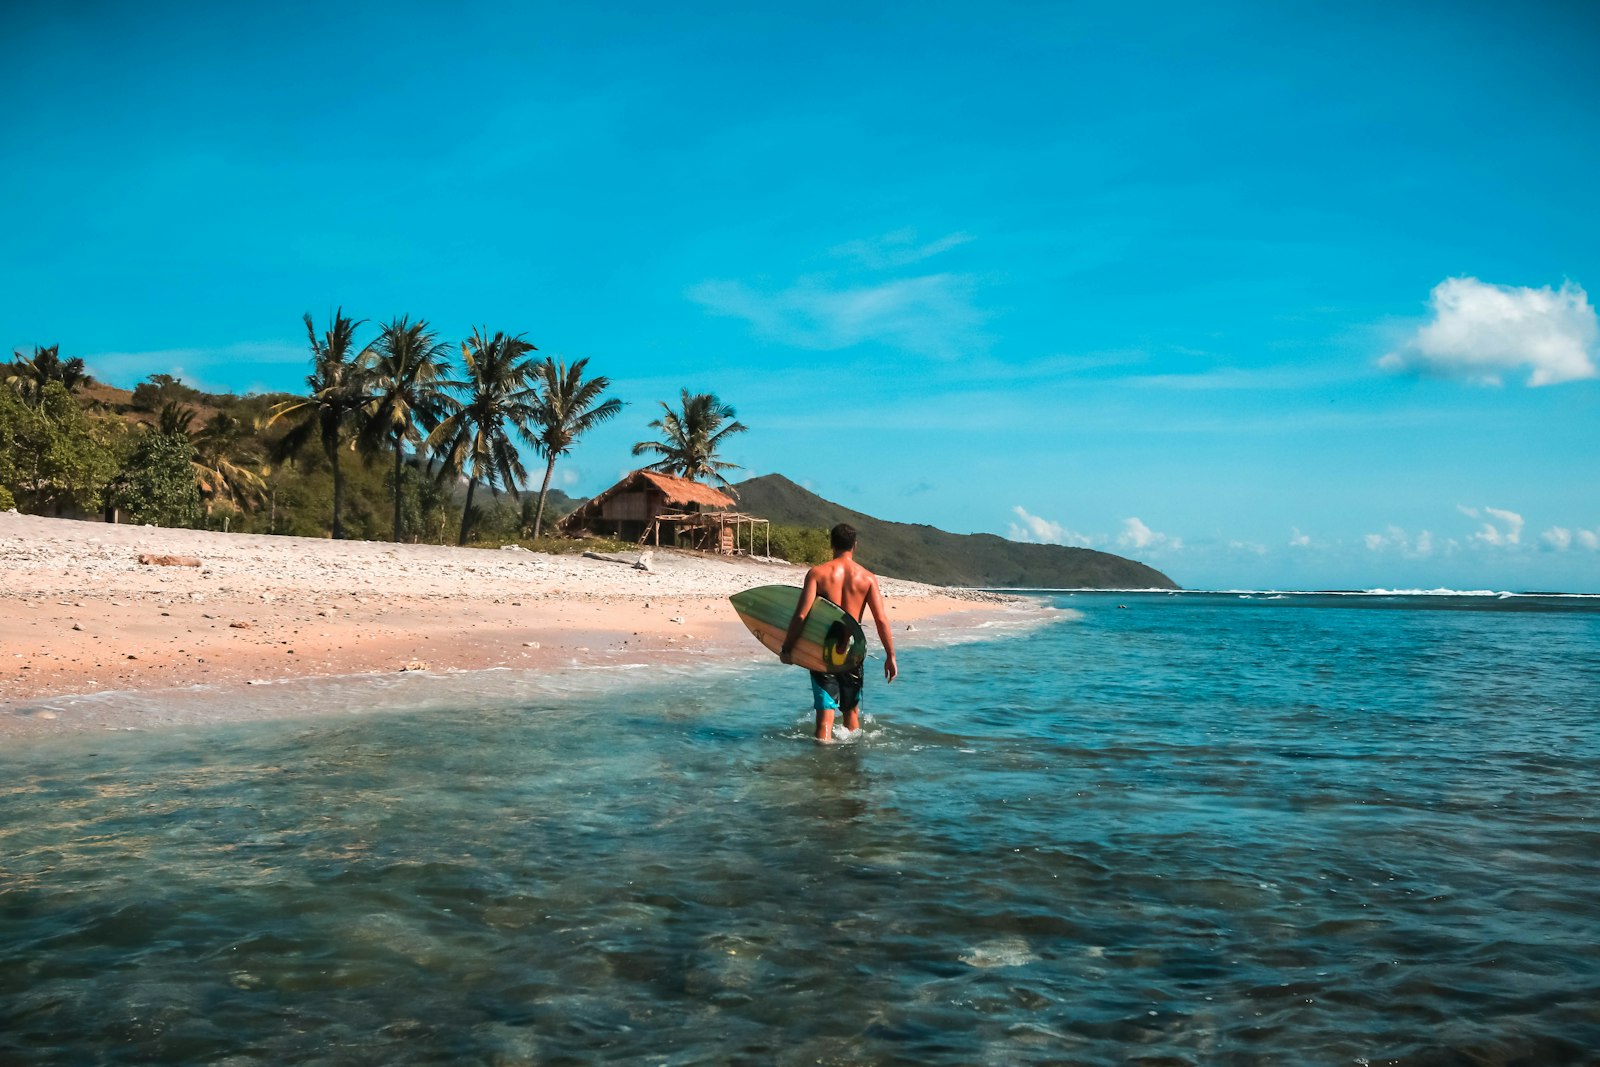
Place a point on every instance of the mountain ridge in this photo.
(922, 553)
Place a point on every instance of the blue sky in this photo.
(1263, 295)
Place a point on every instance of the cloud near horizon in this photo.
(1035, 530)
(1481, 331)
(1135, 534)
(1561, 538)
(1500, 528)
(1422, 546)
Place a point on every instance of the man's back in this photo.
(846, 583)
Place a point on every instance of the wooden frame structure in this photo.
(711, 531)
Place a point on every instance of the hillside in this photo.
(926, 554)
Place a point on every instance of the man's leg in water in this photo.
(852, 719)
(826, 703)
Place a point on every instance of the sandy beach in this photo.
(89, 607)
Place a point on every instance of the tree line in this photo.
(399, 401)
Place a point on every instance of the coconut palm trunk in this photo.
(544, 489)
(399, 442)
(338, 495)
(466, 511)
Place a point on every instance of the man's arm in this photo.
(808, 596)
(880, 619)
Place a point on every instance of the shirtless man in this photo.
(854, 588)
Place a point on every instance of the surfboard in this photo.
(830, 642)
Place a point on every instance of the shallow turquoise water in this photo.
(1201, 829)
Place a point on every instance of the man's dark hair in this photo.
(842, 537)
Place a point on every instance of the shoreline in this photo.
(81, 617)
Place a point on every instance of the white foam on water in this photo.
(1001, 952)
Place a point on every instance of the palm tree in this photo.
(475, 438)
(29, 376)
(566, 412)
(174, 419)
(218, 469)
(692, 436)
(408, 367)
(338, 388)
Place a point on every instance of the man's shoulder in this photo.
(861, 572)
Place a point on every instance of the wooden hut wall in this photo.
(630, 507)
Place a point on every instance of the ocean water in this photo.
(1192, 829)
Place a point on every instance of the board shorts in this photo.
(836, 692)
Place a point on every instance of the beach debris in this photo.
(150, 559)
(607, 557)
(909, 627)
(240, 625)
(415, 665)
(677, 619)
(77, 626)
(512, 548)
(530, 644)
(645, 560)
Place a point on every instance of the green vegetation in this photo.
(691, 436)
(924, 554)
(800, 544)
(408, 398)
(338, 396)
(475, 438)
(158, 484)
(170, 454)
(54, 458)
(569, 407)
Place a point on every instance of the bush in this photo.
(158, 483)
(801, 544)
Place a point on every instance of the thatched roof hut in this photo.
(644, 504)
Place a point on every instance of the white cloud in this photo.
(1135, 534)
(1040, 531)
(1397, 539)
(1252, 547)
(1480, 331)
(1560, 538)
(569, 477)
(931, 315)
(1298, 539)
(1499, 527)
(897, 249)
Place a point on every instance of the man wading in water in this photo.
(854, 588)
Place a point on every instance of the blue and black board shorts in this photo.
(836, 692)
